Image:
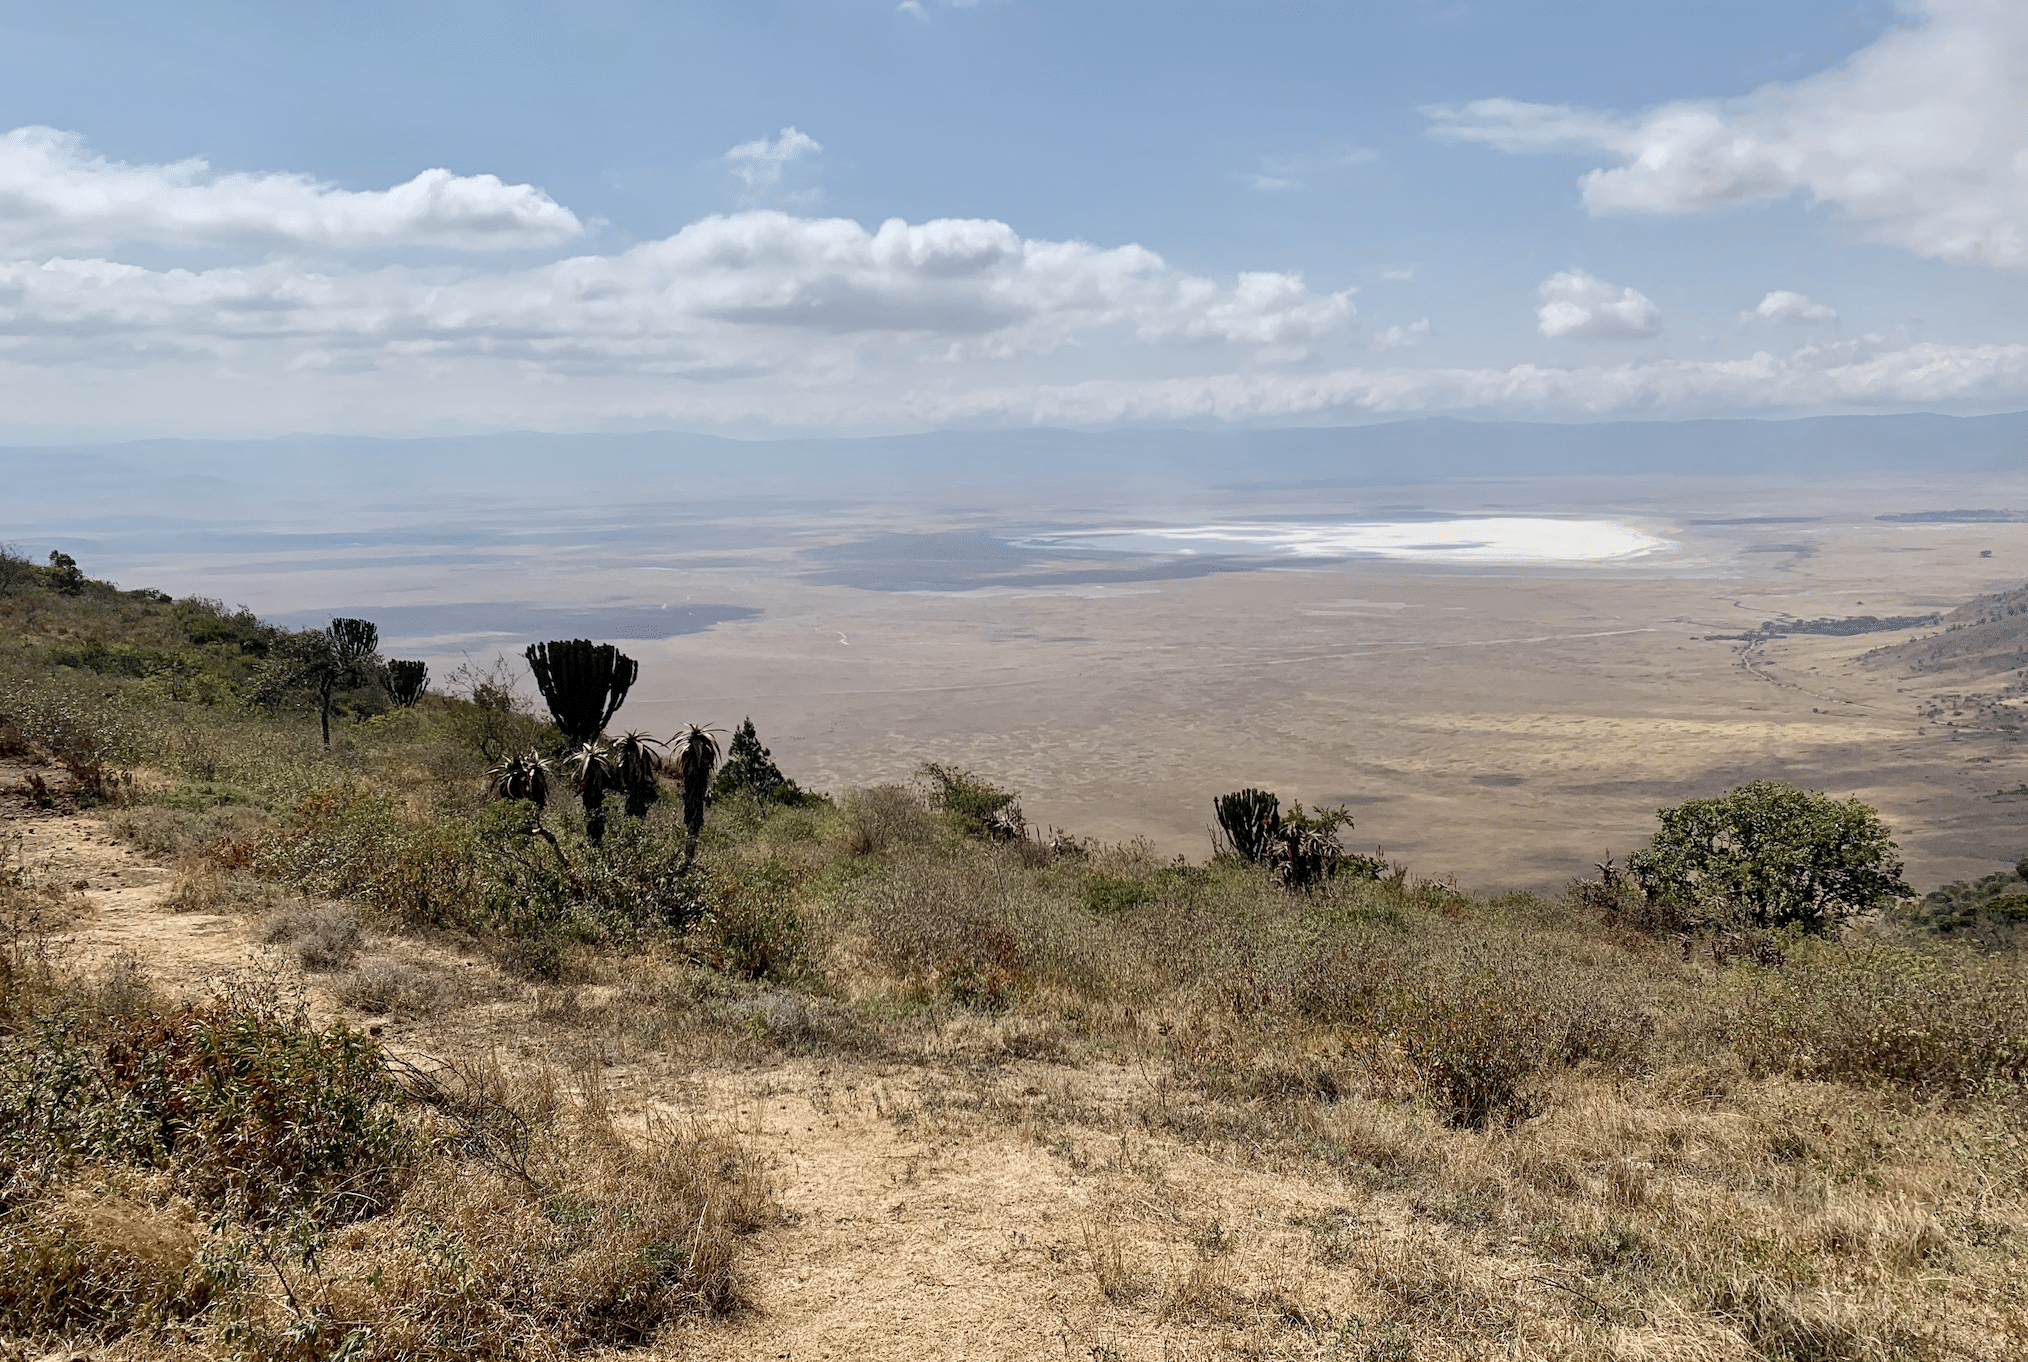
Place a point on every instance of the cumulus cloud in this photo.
(56, 193)
(1582, 305)
(1782, 305)
(1918, 137)
(759, 163)
(757, 288)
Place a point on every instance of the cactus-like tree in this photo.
(406, 681)
(696, 752)
(1252, 823)
(583, 683)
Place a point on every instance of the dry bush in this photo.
(382, 986)
(325, 937)
(977, 930)
(885, 818)
(1115, 1266)
(226, 1176)
(1939, 1020)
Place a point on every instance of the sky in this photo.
(796, 217)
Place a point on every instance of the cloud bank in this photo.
(377, 311)
(55, 194)
(1919, 138)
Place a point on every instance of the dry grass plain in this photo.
(1508, 726)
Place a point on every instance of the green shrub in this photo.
(973, 804)
(1766, 854)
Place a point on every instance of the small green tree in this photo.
(321, 662)
(978, 807)
(750, 769)
(63, 575)
(1770, 855)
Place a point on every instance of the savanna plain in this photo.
(359, 1051)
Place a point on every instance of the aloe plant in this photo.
(696, 752)
(527, 777)
(583, 683)
(595, 774)
(637, 767)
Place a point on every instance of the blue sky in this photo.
(1270, 213)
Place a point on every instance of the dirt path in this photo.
(922, 1219)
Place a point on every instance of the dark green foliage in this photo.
(63, 575)
(1310, 853)
(750, 769)
(406, 681)
(1251, 821)
(17, 573)
(975, 805)
(1767, 854)
(1992, 902)
(583, 683)
(1105, 895)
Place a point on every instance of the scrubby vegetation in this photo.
(1718, 1125)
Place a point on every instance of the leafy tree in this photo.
(322, 662)
(63, 575)
(979, 807)
(1771, 855)
(750, 769)
(16, 571)
(696, 754)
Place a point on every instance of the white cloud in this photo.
(1402, 337)
(1581, 305)
(56, 194)
(1782, 305)
(1860, 375)
(758, 288)
(759, 163)
(1403, 274)
(1272, 182)
(1919, 137)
